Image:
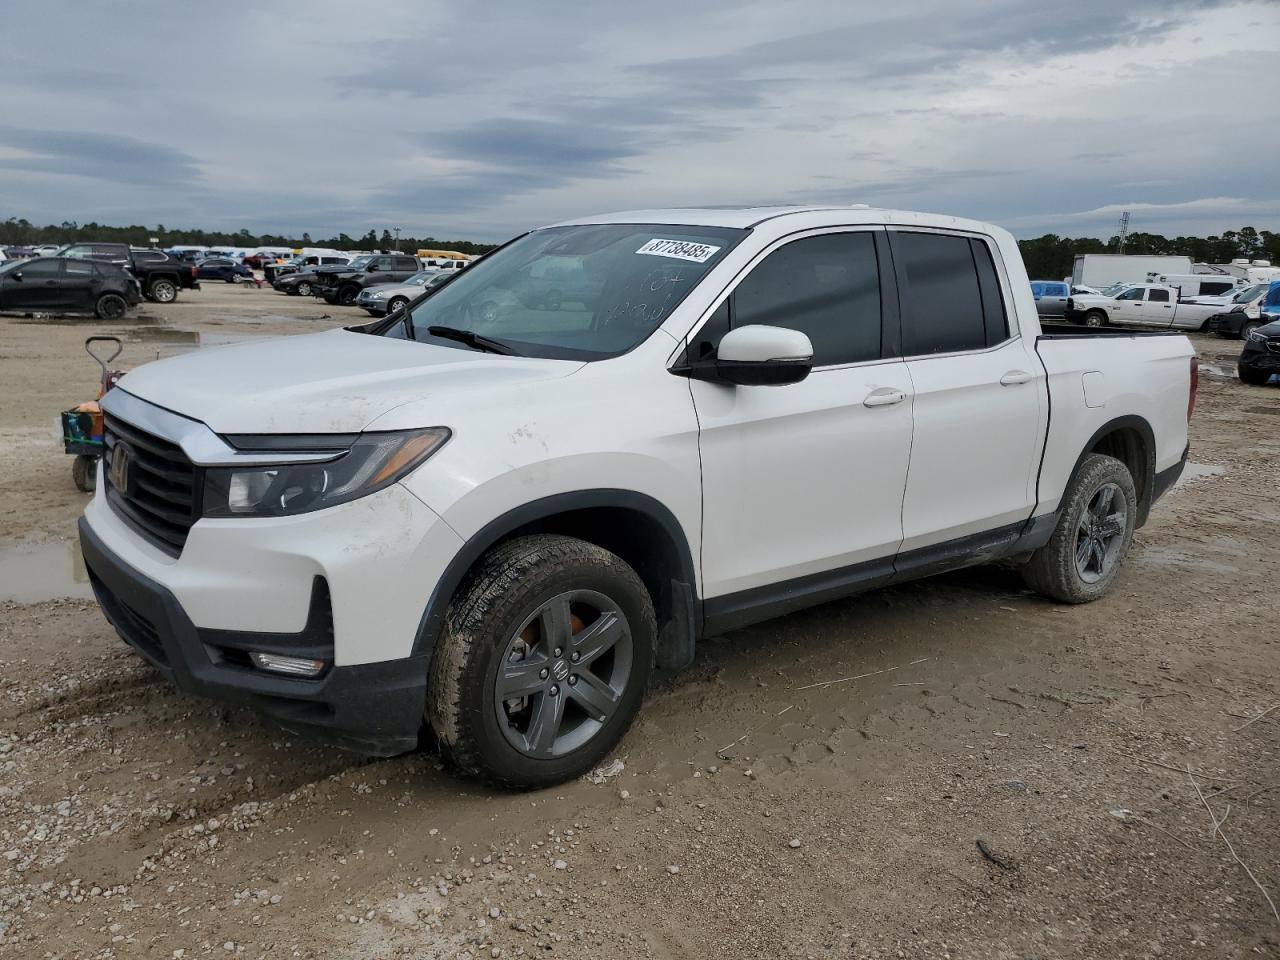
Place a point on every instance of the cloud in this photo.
(484, 120)
(102, 156)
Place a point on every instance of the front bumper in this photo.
(373, 708)
(1260, 358)
(1227, 324)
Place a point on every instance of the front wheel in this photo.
(347, 295)
(395, 303)
(1095, 529)
(1248, 327)
(1095, 318)
(546, 653)
(1252, 375)
(303, 289)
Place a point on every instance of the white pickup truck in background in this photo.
(1152, 305)
(492, 517)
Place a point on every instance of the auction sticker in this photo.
(680, 249)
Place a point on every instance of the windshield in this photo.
(1250, 294)
(359, 262)
(1115, 288)
(420, 279)
(584, 292)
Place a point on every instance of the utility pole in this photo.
(396, 231)
(1124, 229)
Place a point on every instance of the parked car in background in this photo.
(160, 275)
(1051, 297)
(300, 283)
(63, 285)
(383, 298)
(1260, 359)
(222, 268)
(1139, 305)
(44, 250)
(341, 285)
(499, 526)
(1239, 313)
(308, 258)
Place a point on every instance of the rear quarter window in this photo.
(950, 292)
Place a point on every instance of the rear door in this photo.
(806, 479)
(78, 287)
(980, 408)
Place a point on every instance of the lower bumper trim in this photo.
(374, 708)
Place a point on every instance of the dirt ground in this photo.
(754, 818)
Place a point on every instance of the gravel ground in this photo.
(751, 818)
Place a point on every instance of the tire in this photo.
(84, 471)
(347, 295)
(395, 303)
(497, 620)
(1247, 328)
(1055, 569)
(110, 306)
(303, 289)
(1253, 376)
(1095, 318)
(163, 290)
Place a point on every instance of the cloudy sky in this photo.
(479, 119)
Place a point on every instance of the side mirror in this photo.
(757, 355)
(16, 276)
(371, 268)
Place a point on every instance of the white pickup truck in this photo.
(1150, 305)
(490, 519)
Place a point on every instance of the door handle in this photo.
(884, 397)
(1014, 377)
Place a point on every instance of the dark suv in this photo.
(343, 284)
(160, 275)
(1261, 355)
(58, 285)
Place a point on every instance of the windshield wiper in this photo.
(472, 339)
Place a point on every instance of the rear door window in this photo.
(950, 293)
(1158, 296)
(827, 287)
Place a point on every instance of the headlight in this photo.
(1258, 336)
(376, 296)
(374, 461)
(1237, 310)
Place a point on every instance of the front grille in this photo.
(160, 500)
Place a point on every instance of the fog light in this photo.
(293, 666)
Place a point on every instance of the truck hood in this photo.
(1091, 299)
(334, 382)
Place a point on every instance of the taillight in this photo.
(1195, 385)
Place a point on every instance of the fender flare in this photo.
(433, 616)
(1146, 483)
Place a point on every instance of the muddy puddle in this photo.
(35, 573)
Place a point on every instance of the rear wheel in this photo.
(1252, 375)
(546, 652)
(1093, 535)
(163, 291)
(110, 306)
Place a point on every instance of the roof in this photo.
(793, 217)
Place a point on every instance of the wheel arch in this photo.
(635, 526)
(1130, 440)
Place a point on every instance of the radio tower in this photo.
(1124, 229)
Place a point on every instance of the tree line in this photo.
(20, 232)
(1048, 257)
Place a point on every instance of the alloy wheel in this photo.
(1100, 533)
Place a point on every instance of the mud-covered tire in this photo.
(163, 290)
(1252, 375)
(504, 589)
(111, 306)
(1053, 569)
(84, 471)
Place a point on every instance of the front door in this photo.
(805, 479)
(35, 285)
